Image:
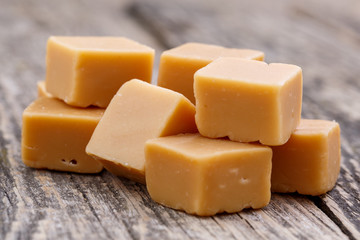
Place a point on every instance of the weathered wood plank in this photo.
(49, 205)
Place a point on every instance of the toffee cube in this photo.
(205, 176)
(54, 136)
(84, 71)
(309, 163)
(138, 112)
(178, 65)
(248, 100)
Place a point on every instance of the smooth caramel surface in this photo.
(42, 89)
(101, 44)
(54, 136)
(138, 112)
(210, 52)
(251, 72)
(309, 163)
(248, 100)
(178, 65)
(205, 176)
(84, 71)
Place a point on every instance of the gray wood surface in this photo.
(323, 37)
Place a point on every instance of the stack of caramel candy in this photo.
(219, 132)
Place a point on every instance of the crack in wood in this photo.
(325, 209)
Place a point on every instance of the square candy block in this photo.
(54, 136)
(178, 65)
(248, 100)
(206, 176)
(309, 163)
(86, 71)
(138, 112)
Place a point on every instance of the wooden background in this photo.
(323, 37)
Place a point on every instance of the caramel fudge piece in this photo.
(138, 112)
(42, 90)
(205, 176)
(309, 163)
(248, 100)
(178, 65)
(86, 71)
(54, 136)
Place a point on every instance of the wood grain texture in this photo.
(322, 37)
